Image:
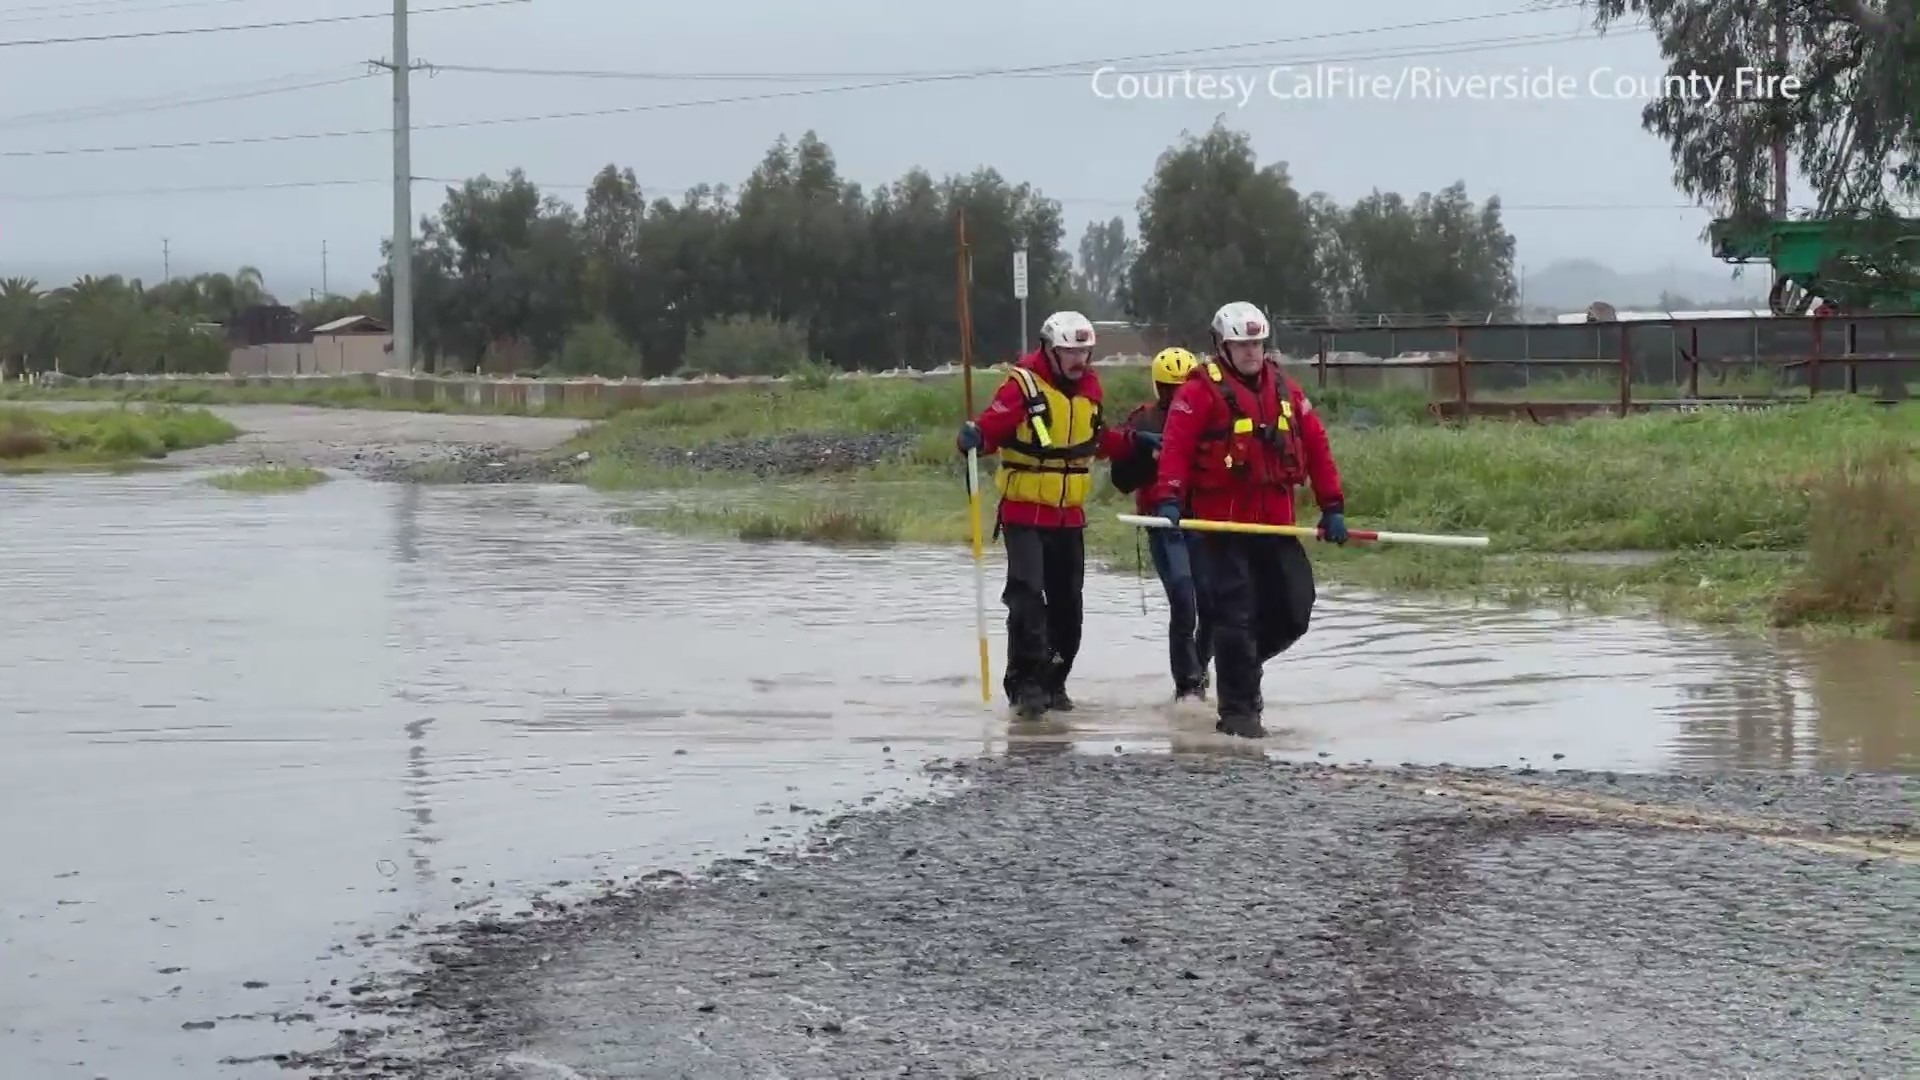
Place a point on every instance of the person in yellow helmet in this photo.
(1190, 622)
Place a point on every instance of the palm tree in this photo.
(23, 324)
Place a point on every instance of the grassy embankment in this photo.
(263, 479)
(1798, 516)
(34, 440)
(333, 396)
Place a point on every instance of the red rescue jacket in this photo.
(1000, 421)
(1234, 449)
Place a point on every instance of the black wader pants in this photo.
(1262, 592)
(1046, 571)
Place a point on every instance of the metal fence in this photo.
(1685, 358)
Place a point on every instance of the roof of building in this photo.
(351, 322)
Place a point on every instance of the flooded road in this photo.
(244, 738)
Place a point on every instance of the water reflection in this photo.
(420, 837)
(1879, 681)
(1833, 706)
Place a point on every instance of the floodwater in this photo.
(243, 738)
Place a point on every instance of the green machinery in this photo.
(1860, 266)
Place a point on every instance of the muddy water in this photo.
(245, 737)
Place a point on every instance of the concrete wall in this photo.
(340, 354)
(1500, 357)
(140, 383)
(539, 395)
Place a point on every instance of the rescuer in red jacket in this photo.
(1240, 436)
(1045, 424)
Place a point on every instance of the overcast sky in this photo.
(66, 213)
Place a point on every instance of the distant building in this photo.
(356, 344)
(350, 326)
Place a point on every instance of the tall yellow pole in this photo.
(973, 462)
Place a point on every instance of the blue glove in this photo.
(1169, 510)
(1333, 526)
(970, 438)
(1148, 439)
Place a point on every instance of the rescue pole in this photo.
(964, 310)
(1365, 536)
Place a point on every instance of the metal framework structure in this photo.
(1817, 353)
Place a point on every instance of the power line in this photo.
(1052, 69)
(1075, 71)
(116, 8)
(138, 105)
(735, 99)
(1070, 200)
(186, 31)
(125, 193)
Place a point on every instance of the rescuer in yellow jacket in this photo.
(1045, 423)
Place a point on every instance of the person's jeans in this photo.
(1178, 561)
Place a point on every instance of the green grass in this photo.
(37, 440)
(269, 478)
(1755, 518)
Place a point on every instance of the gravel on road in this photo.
(1071, 916)
(803, 453)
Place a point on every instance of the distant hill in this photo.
(1572, 284)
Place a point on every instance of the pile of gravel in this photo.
(798, 454)
(469, 465)
(769, 457)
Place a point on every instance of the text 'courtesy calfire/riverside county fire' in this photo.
(1328, 82)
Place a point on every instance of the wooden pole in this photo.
(964, 309)
(963, 278)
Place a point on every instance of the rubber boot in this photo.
(1031, 704)
(1244, 725)
(1057, 699)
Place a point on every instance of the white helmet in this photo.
(1240, 321)
(1067, 330)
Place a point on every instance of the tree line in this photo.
(117, 325)
(802, 265)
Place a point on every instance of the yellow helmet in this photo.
(1170, 366)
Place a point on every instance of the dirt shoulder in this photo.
(1072, 916)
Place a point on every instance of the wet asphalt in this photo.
(1066, 915)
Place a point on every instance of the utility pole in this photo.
(401, 260)
(166, 259)
(324, 291)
